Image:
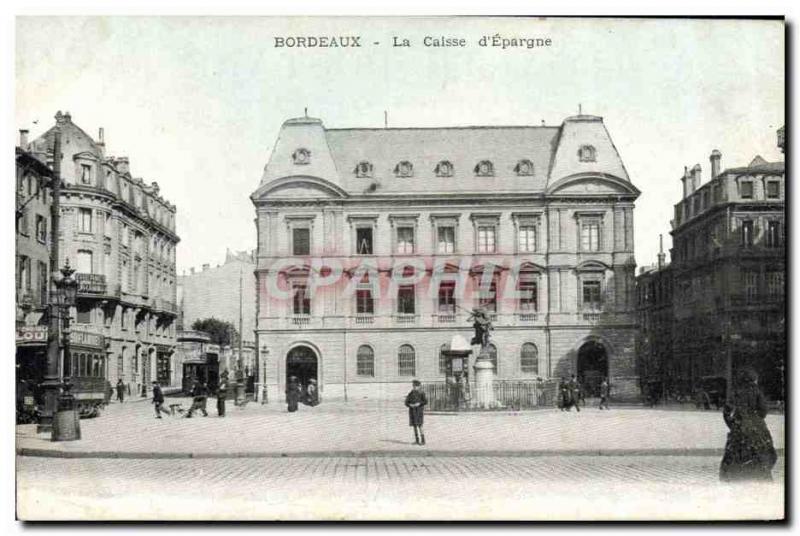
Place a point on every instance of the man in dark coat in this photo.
(293, 393)
(574, 393)
(199, 392)
(563, 395)
(416, 402)
(120, 391)
(605, 390)
(158, 400)
(222, 394)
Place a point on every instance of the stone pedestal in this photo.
(484, 382)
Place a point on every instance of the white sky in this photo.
(196, 103)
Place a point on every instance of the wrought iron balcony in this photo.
(91, 284)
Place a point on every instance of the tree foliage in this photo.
(221, 332)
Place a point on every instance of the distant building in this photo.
(215, 292)
(546, 211)
(727, 275)
(118, 233)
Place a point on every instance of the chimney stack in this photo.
(206, 267)
(123, 165)
(686, 182)
(715, 158)
(661, 256)
(696, 177)
(100, 136)
(23, 139)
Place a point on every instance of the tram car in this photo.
(86, 369)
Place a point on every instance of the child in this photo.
(415, 402)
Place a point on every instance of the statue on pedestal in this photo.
(482, 325)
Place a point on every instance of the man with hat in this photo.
(222, 394)
(158, 400)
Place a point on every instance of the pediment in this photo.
(592, 184)
(300, 187)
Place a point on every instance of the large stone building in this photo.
(727, 278)
(119, 234)
(427, 223)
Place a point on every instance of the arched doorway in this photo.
(592, 367)
(301, 362)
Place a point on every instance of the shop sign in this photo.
(32, 334)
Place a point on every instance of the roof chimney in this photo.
(23, 139)
(100, 136)
(661, 255)
(686, 181)
(715, 158)
(696, 177)
(206, 267)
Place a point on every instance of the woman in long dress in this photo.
(749, 452)
(292, 394)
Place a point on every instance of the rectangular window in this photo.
(527, 238)
(301, 242)
(773, 189)
(41, 229)
(365, 305)
(747, 189)
(446, 239)
(24, 272)
(406, 365)
(84, 315)
(121, 365)
(135, 282)
(488, 297)
(447, 297)
(717, 193)
(529, 292)
(84, 262)
(747, 233)
(163, 369)
(750, 284)
(773, 234)
(486, 239)
(591, 294)
(107, 225)
(364, 241)
(85, 220)
(406, 302)
(590, 235)
(775, 283)
(107, 268)
(405, 240)
(124, 276)
(705, 199)
(86, 174)
(301, 301)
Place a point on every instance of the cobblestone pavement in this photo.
(371, 426)
(385, 487)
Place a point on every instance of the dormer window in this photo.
(444, 169)
(301, 156)
(363, 169)
(484, 168)
(404, 169)
(587, 153)
(524, 168)
(86, 174)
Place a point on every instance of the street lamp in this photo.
(66, 424)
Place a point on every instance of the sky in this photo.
(196, 103)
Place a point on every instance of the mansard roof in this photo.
(404, 160)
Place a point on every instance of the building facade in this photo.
(119, 235)
(729, 266)
(33, 225)
(374, 244)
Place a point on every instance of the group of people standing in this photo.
(571, 394)
(296, 393)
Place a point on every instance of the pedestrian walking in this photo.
(574, 393)
(749, 452)
(563, 395)
(293, 394)
(120, 391)
(416, 402)
(222, 395)
(312, 395)
(199, 394)
(158, 400)
(604, 392)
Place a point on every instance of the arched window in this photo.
(524, 168)
(406, 362)
(587, 153)
(404, 169)
(444, 169)
(442, 360)
(529, 359)
(484, 168)
(365, 361)
(492, 349)
(363, 169)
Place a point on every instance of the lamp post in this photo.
(65, 423)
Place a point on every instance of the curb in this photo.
(46, 453)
